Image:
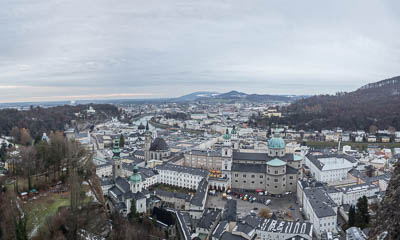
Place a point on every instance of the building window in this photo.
(261, 176)
(275, 180)
(252, 176)
(244, 175)
(252, 181)
(276, 186)
(276, 172)
(261, 182)
(244, 181)
(236, 180)
(290, 177)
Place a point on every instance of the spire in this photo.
(147, 126)
(227, 136)
(116, 151)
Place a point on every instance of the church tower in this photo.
(147, 144)
(117, 164)
(235, 140)
(135, 180)
(227, 157)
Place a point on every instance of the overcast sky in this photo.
(83, 49)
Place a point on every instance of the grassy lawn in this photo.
(44, 206)
(354, 145)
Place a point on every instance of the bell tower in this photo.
(147, 144)
(227, 157)
(117, 164)
(135, 180)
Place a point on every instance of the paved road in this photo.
(277, 205)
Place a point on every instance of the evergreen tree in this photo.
(133, 214)
(352, 216)
(121, 141)
(362, 214)
(20, 229)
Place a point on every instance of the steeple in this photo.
(117, 165)
(116, 151)
(135, 180)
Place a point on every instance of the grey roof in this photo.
(183, 169)
(230, 211)
(244, 228)
(115, 191)
(273, 225)
(291, 170)
(250, 156)
(122, 184)
(136, 196)
(200, 194)
(104, 165)
(356, 187)
(147, 172)
(177, 195)
(319, 165)
(206, 153)
(185, 224)
(321, 203)
(106, 181)
(220, 229)
(138, 153)
(159, 144)
(209, 218)
(248, 167)
(230, 236)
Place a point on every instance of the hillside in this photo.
(236, 96)
(373, 104)
(39, 120)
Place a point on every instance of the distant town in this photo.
(202, 170)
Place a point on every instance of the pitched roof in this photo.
(159, 144)
(276, 162)
(248, 167)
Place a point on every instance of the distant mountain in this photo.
(235, 95)
(231, 95)
(375, 104)
(194, 96)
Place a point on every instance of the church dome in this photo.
(276, 143)
(141, 126)
(227, 136)
(136, 177)
(233, 132)
(159, 144)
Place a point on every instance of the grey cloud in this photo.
(173, 47)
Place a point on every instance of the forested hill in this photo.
(373, 104)
(39, 120)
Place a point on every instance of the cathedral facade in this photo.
(274, 171)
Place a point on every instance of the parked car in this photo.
(268, 202)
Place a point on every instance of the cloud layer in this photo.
(64, 49)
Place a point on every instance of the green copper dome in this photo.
(116, 151)
(276, 143)
(136, 177)
(276, 162)
(227, 136)
(233, 130)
